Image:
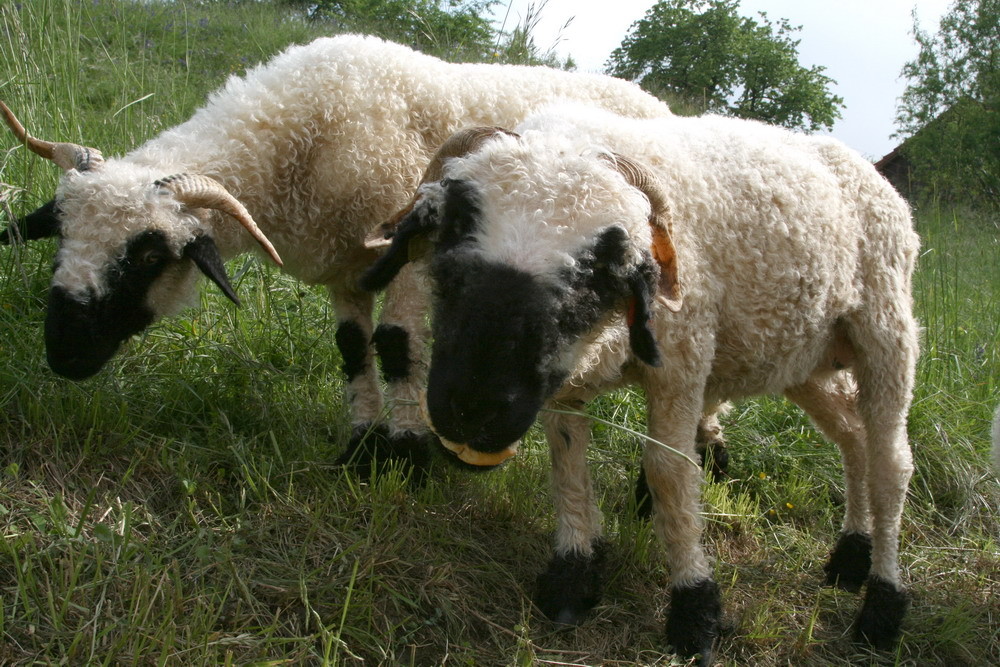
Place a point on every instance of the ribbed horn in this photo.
(65, 155)
(461, 143)
(645, 181)
(198, 191)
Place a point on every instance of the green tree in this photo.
(948, 113)
(703, 54)
(454, 29)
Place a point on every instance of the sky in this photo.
(862, 43)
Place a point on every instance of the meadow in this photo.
(182, 507)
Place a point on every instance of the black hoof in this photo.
(694, 621)
(571, 586)
(372, 450)
(714, 456)
(881, 614)
(849, 562)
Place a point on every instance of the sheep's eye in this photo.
(151, 258)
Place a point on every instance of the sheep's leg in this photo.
(831, 404)
(710, 446)
(674, 483)
(886, 348)
(354, 310)
(400, 341)
(710, 443)
(354, 330)
(571, 585)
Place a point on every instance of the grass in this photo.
(181, 507)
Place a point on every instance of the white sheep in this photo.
(308, 152)
(703, 260)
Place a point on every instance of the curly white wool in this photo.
(320, 144)
(793, 258)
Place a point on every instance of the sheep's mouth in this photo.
(474, 457)
(465, 452)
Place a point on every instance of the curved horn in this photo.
(66, 155)
(199, 191)
(645, 181)
(459, 144)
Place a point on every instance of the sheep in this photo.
(306, 152)
(702, 259)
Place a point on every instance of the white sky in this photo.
(862, 43)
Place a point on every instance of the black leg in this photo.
(371, 450)
(694, 620)
(881, 614)
(571, 586)
(392, 346)
(715, 456)
(849, 562)
(353, 346)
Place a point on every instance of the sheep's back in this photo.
(329, 139)
(777, 235)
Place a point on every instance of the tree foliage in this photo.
(949, 110)
(703, 53)
(449, 28)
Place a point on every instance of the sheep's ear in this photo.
(409, 241)
(640, 334)
(205, 254)
(668, 291)
(39, 224)
(610, 252)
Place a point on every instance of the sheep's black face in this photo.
(503, 337)
(39, 224)
(82, 334)
(507, 327)
(494, 357)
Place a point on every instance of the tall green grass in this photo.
(181, 507)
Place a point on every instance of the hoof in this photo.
(372, 450)
(694, 621)
(849, 562)
(714, 456)
(881, 614)
(571, 586)
(711, 447)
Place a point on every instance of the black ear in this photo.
(39, 224)
(611, 247)
(205, 254)
(412, 230)
(640, 335)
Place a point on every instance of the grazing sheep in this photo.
(307, 152)
(703, 260)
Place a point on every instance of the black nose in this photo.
(471, 415)
(486, 421)
(74, 345)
